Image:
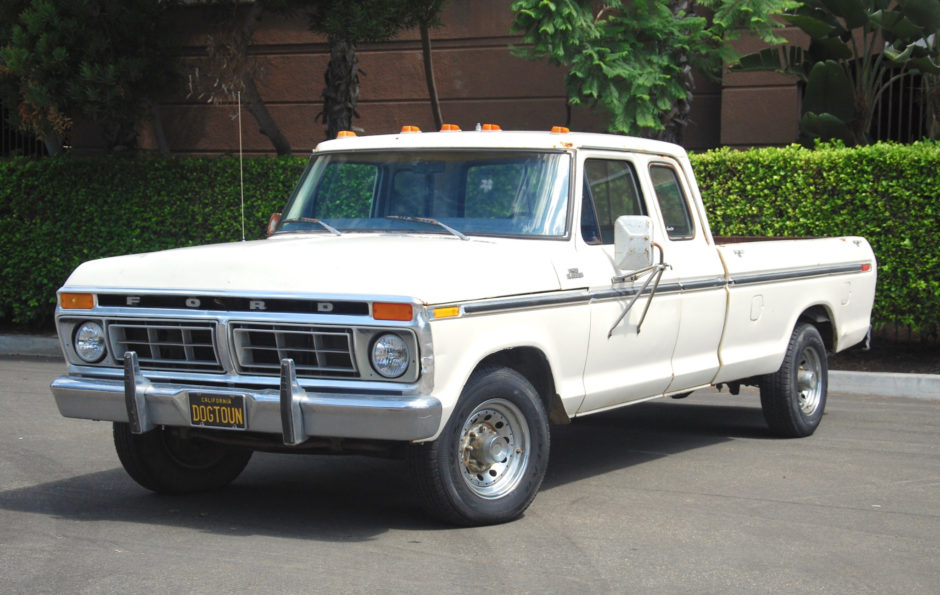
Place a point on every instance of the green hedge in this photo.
(887, 193)
(57, 213)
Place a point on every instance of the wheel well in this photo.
(532, 363)
(819, 317)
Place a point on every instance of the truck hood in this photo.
(433, 269)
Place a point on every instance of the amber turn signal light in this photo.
(77, 301)
(447, 312)
(392, 311)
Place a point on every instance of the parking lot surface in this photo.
(686, 496)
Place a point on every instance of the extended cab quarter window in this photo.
(672, 202)
(610, 190)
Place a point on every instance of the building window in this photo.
(899, 114)
(13, 142)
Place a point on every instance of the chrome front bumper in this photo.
(290, 411)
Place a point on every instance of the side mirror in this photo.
(272, 222)
(633, 242)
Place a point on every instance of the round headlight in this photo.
(390, 356)
(90, 342)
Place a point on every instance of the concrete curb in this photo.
(915, 386)
(31, 345)
(918, 386)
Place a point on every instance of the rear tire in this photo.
(488, 463)
(164, 461)
(793, 398)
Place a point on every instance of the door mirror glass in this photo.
(633, 242)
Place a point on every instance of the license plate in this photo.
(217, 411)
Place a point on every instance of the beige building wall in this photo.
(478, 80)
(760, 108)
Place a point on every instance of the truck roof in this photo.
(501, 139)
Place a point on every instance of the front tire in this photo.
(164, 461)
(793, 398)
(488, 463)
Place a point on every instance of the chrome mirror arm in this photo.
(654, 275)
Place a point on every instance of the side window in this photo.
(610, 190)
(672, 202)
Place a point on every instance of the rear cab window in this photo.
(672, 202)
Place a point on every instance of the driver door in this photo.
(626, 362)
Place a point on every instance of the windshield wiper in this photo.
(325, 226)
(429, 221)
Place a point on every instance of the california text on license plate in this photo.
(217, 411)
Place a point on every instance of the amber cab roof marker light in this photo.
(345, 134)
(560, 129)
(491, 127)
(450, 128)
(409, 128)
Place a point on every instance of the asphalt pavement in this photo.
(918, 386)
(689, 496)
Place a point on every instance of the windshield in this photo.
(505, 193)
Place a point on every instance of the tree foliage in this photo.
(857, 49)
(885, 192)
(425, 14)
(634, 59)
(99, 60)
(347, 24)
(227, 73)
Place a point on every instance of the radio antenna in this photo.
(241, 167)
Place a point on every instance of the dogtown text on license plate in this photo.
(217, 411)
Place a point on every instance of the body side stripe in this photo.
(567, 297)
(795, 275)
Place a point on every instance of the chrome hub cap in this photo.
(809, 381)
(494, 448)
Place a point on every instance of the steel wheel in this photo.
(809, 381)
(494, 448)
(488, 463)
(794, 397)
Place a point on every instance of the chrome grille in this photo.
(316, 351)
(167, 345)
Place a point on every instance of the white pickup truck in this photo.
(446, 296)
